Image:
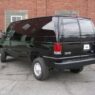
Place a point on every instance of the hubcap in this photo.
(37, 69)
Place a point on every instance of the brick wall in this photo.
(16, 5)
(91, 9)
(38, 8)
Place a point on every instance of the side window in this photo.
(70, 29)
(16, 37)
(47, 32)
(86, 27)
(45, 36)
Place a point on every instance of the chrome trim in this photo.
(72, 62)
(66, 57)
(60, 57)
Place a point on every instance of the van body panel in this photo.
(38, 36)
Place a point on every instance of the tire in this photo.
(3, 56)
(43, 69)
(77, 70)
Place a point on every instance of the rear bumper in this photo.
(71, 63)
(75, 64)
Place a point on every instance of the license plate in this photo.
(86, 47)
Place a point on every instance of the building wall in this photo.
(38, 8)
(91, 9)
(16, 5)
(76, 5)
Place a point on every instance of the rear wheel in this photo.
(40, 69)
(3, 55)
(77, 70)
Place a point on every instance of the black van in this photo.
(50, 42)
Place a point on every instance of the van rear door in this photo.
(70, 37)
(87, 37)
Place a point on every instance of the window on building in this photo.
(67, 13)
(16, 18)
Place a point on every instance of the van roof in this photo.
(32, 24)
(54, 16)
(62, 16)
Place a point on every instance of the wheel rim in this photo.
(37, 69)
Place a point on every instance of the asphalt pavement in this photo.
(16, 79)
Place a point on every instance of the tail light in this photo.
(57, 48)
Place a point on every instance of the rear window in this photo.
(69, 29)
(86, 27)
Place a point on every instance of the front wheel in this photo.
(3, 55)
(40, 69)
(77, 70)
